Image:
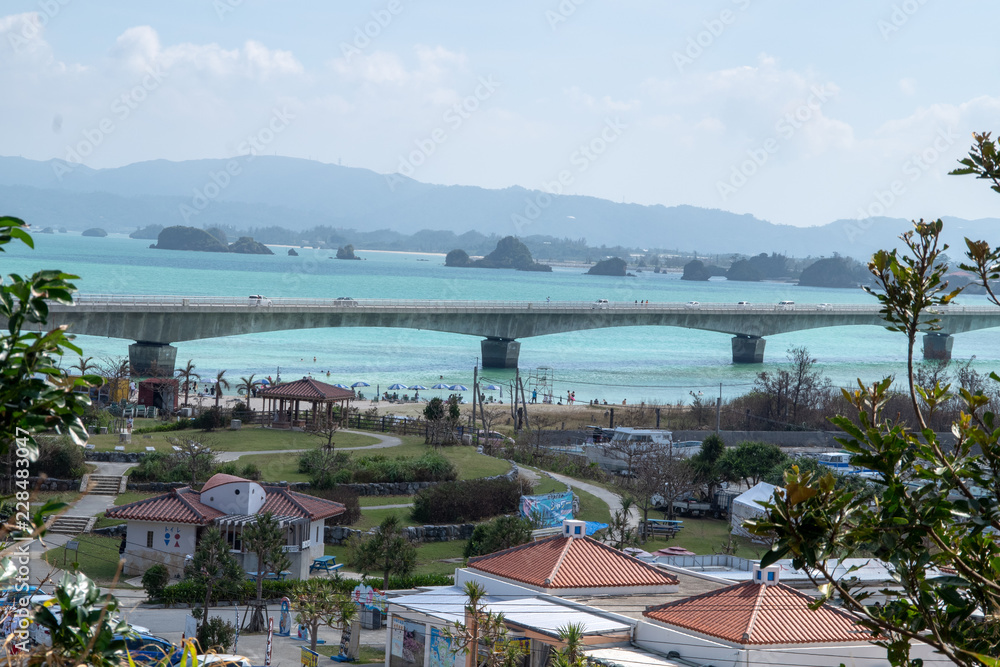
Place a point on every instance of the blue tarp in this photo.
(594, 526)
(551, 509)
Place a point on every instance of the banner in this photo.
(551, 509)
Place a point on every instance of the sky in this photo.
(800, 113)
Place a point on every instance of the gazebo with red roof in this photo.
(283, 400)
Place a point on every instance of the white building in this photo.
(165, 529)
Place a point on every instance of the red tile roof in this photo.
(306, 389)
(752, 613)
(180, 506)
(289, 503)
(566, 562)
(221, 478)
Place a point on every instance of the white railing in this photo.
(267, 303)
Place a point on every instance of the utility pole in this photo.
(718, 410)
(475, 394)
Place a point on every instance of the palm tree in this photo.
(84, 365)
(219, 384)
(187, 373)
(246, 386)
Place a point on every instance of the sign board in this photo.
(285, 620)
(309, 658)
(370, 598)
(349, 640)
(190, 627)
(398, 631)
(73, 544)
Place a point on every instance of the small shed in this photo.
(284, 402)
(159, 392)
(747, 506)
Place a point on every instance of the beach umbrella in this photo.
(418, 387)
(341, 386)
(458, 387)
(440, 385)
(491, 387)
(265, 381)
(394, 387)
(360, 384)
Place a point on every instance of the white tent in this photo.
(746, 506)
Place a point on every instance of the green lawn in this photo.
(369, 501)
(372, 518)
(706, 537)
(98, 557)
(249, 439)
(470, 465)
(429, 556)
(548, 485)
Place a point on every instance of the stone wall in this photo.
(114, 457)
(52, 484)
(112, 531)
(337, 535)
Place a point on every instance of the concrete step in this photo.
(104, 485)
(70, 525)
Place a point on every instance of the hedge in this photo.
(469, 500)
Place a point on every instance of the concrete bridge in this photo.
(154, 322)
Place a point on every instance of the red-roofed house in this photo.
(760, 621)
(166, 528)
(573, 564)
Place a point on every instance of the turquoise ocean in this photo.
(661, 364)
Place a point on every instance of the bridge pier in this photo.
(938, 346)
(149, 358)
(500, 352)
(748, 349)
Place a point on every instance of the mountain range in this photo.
(261, 191)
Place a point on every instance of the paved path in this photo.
(387, 507)
(384, 442)
(614, 504)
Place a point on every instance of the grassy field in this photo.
(285, 467)
(429, 556)
(98, 557)
(250, 439)
(369, 501)
(706, 537)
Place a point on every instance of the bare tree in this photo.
(324, 427)
(197, 458)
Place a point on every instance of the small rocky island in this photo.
(834, 272)
(94, 231)
(180, 237)
(292, 253)
(510, 253)
(613, 266)
(147, 232)
(346, 252)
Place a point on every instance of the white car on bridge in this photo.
(259, 300)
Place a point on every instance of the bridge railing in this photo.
(340, 304)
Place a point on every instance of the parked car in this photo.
(10, 596)
(824, 306)
(259, 300)
(346, 301)
(601, 303)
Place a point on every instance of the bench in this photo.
(666, 527)
(119, 448)
(325, 564)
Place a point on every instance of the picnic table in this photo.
(273, 576)
(665, 527)
(325, 564)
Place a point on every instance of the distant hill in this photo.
(300, 194)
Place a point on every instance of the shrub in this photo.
(209, 420)
(397, 583)
(217, 634)
(242, 412)
(227, 468)
(154, 580)
(347, 497)
(59, 458)
(324, 473)
(250, 471)
(470, 500)
(502, 533)
(164, 428)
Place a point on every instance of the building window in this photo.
(317, 534)
(149, 539)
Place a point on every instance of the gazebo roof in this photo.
(307, 389)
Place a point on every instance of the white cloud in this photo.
(908, 86)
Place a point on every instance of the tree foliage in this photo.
(501, 533)
(750, 461)
(386, 551)
(319, 602)
(939, 512)
(212, 563)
